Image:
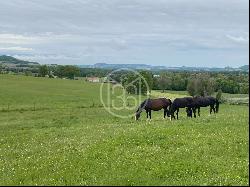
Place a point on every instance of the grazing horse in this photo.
(155, 105)
(185, 102)
(200, 101)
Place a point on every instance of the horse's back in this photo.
(158, 104)
(204, 101)
(183, 102)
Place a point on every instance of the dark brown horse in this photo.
(193, 103)
(200, 101)
(185, 102)
(155, 105)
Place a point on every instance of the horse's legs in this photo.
(177, 111)
(147, 113)
(165, 112)
(199, 111)
(191, 113)
(210, 110)
(194, 111)
(214, 109)
(172, 116)
(150, 114)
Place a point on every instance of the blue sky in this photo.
(211, 33)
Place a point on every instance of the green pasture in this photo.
(57, 132)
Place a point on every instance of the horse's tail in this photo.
(217, 104)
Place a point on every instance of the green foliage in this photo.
(43, 70)
(140, 83)
(244, 88)
(191, 87)
(219, 95)
(67, 71)
(178, 83)
(201, 85)
(228, 86)
(164, 82)
(148, 77)
(233, 82)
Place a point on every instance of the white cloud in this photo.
(240, 39)
(15, 48)
(47, 37)
(123, 29)
(18, 39)
(44, 57)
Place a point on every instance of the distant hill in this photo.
(130, 66)
(244, 68)
(11, 61)
(156, 68)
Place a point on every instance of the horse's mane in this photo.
(142, 105)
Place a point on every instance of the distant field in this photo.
(56, 132)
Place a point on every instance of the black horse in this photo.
(185, 102)
(200, 101)
(155, 105)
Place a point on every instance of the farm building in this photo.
(93, 79)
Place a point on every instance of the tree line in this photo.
(199, 83)
(60, 71)
(203, 83)
(196, 83)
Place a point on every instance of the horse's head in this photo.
(171, 112)
(172, 116)
(137, 115)
(170, 102)
(139, 110)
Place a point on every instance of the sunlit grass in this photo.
(67, 140)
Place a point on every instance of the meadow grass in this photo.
(69, 141)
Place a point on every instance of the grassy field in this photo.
(56, 132)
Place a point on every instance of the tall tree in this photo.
(201, 85)
(137, 83)
(67, 71)
(164, 82)
(43, 70)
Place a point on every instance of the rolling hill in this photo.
(9, 60)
